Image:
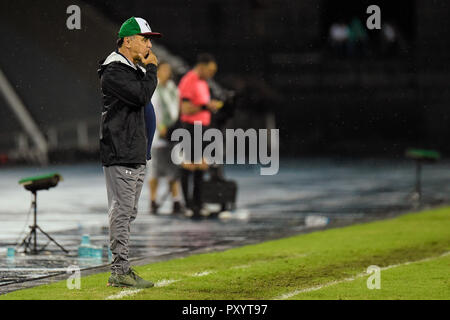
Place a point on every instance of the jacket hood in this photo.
(115, 57)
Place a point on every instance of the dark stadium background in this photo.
(274, 54)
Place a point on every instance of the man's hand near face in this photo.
(151, 58)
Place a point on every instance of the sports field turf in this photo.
(411, 250)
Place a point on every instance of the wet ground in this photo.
(304, 195)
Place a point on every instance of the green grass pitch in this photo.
(416, 244)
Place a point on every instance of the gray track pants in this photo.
(123, 185)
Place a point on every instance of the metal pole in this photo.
(35, 223)
(24, 117)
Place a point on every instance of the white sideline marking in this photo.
(132, 292)
(164, 282)
(244, 266)
(124, 293)
(360, 275)
(201, 274)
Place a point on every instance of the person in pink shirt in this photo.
(196, 105)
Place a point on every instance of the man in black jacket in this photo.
(128, 80)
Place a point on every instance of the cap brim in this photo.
(151, 34)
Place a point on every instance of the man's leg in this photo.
(153, 188)
(121, 183)
(124, 185)
(197, 192)
(173, 184)
(155, 173)
(185, 186)
(140, 178)
(153, 194)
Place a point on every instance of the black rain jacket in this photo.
(126, 90)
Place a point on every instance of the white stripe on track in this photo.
(360, 275)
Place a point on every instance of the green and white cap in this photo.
(135, 26)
